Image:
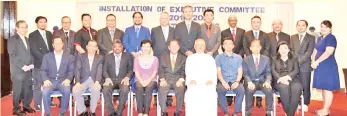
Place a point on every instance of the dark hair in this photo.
(109, 15)
(278, 55)
(258, 17)
(20, 22)
(311, 28)
(57, 37)
(137, 13)
(85, 14)
(146, 41)
(175, 40)
(39, 18)
(208, 10)
(227, 38)
(117, 41)
(255, 40)
(327, 23)
(65, 17)
(306, 23)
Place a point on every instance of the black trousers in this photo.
(143, 96)
(305, 80)
(290, 96)
(123, 96)
(22, 89)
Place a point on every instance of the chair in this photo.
(87, 92)
(115, 92)
(232, 93)
(277, 94)
(171, 93)
(155, 92)
(57, 94)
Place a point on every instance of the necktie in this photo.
(233, 34)
(209, 31)
(256, 63)
(112, 34)
(45, 39)
(300, 38)
(137, 32)
(256, 35)
(188, 27)
(277, 38)
(90, 59)
(117, 64)
(66, 35)
(90, 34)
(173, 63)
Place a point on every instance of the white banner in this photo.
(151, 12)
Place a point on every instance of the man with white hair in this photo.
(277, 36)
(201, 81)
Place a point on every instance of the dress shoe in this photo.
(87, 103)
(176, 114)
(164, 114)
(248, 114)
(48, 114)
(61, 114)
(19, 113)
(268, 114)
(85, 113)
(92, 114)
(259, 105)
(29, 110)
(53, 105)
(38, 108)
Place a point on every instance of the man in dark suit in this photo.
(236, 33)
(303, 45)
(108, 34)
(187, 31)
(41, 43)
(117, 70)
(88, 75)
(257, 75)
(135, 34)
(277, 36)
(211, 33)
(85, 34)
(57, 73)
(161, 35)
(257, 34)
(67, 34)
(21, 63)
(171, 76)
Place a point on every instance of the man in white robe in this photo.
(201, 81)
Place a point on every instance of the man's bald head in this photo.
(277, 26)
(199, 45)
(232, 20)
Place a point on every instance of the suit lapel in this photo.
(19, 39)
(108, 34)
(178, 60)
(251, 62)
(238, 35)
(86, 60)
(171, 34)
(55, 62)
(49, 41)
(167, 59)
(161, 33)
(303, 41)
(185, 27)
(251, 35)
(261, 64)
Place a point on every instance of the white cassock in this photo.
(200, 99)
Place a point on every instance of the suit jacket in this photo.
(303, 51)
(273, 45)
(214, 41)
(82, 37)
(239, 39)
(160, 46)
(69, 46)
(264, 41)
(187, 39)
(83, 71)
(165, 68)
(39, 47)
(292, 65)
(105, 40)
(49, 69)
(250, 73)
(131, 42)
(19, 56)
(125, 68)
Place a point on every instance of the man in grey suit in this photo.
(40, 43)
(108, 34)
(303, 44)
(257, 75)
(236, 33)
(211, 33)
(88, 75)
(187, 32)
(277, 36)
(161, 35)
(117, 71)
(258, 34)
(67, 34)
(57, 74)
(21, 63)
(171, 76)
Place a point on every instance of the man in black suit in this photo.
(161, 35)
(117, 70)
(21, 63)
(108, 34)
(236, 33)
(257, 34)
(67, 34)
(85, 34)
(277, 36)
(171, 76)
(41, 43)
(303, 44)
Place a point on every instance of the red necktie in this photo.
(209, 31)
(233, 34)
(256, 63)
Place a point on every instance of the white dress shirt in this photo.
(231, 30)
(165, 30)
(58, 58)
(24, 41)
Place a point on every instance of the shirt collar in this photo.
(137, 26)
(114, 29)
(232, 55)
(256, 56)
(41, 31)
(164, 26)
(303, 34)
(120, 54)
(66, 31)
(231, 29)
(56, 54)
(21, 36)
(175, 55)
(256, 31)
(188, 21)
